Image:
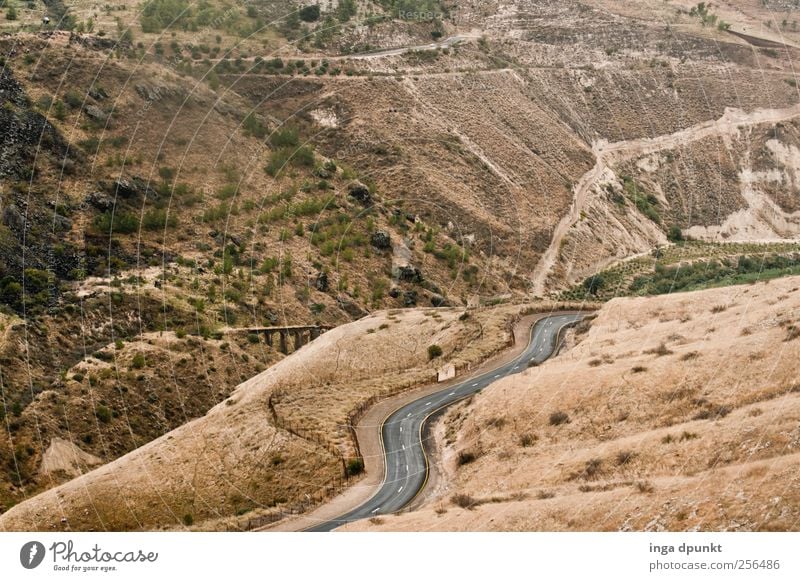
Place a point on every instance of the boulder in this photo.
(132, 187)
(381, 240)
(360, 192)
(439, 301)
(351, 308)
(100, 201)
(95, 113)
(409, 274)
(410, 298)
(321, 282)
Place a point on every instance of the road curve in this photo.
(402, 433)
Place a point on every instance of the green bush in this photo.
(158, 220)
(103, 414)
(138, 361)
(285, 137)
(116, 222)
(355, 467)
(434, 351)
(310, 13)
(157, 15)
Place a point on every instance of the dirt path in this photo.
(609, 154)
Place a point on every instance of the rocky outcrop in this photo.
(360, 193)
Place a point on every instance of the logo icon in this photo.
(31, 555)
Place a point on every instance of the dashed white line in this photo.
(401, 428)
(429, 403)
(452, 393)
(376, 510)
(399, 490)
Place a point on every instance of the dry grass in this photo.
(735, 467)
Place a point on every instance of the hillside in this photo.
(280, 441)
(174, 175)
(670, 413)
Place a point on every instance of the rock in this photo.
(322, 173)
(439, 301)
(95, 113)
(98, 94)
(62, 223)
(410, 298)
(100, 201)
(352, 309)
(14, 219)
(395, 292)
(409, 274)
(381, 240)
(360, 192)
(132, 187)
(321, 283)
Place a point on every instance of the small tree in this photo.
(310, 13)
(434, 351)
(675, 234)
(594, 284)
(355, 467)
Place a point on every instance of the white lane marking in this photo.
(474, 385)
(404, 446)
(452, 393)
(399, 490)
(516, 367)
(408, 416)
(429, 403)
(406, 467)
(401, 428)
(376, 510)
(496, 376)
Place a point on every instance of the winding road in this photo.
(405, 431)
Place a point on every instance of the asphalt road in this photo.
(403, 431)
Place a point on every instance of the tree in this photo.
(675, 234)
(594, 284)
(310, 13)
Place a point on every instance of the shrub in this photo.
(434, 351)
(466, 457)
(188, 520)
(528, 440)
(675, 234)
(103, 414)
(158, 220)
(285, 137)
(138, 361)
(559, 418)
(119, 222)
(464, 501)
(310, 13)
(355, 467)
(624, 457)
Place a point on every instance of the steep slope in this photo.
(280, 439)
(671, 413)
